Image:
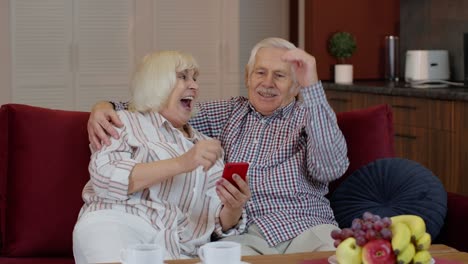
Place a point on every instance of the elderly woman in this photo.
(161, 181)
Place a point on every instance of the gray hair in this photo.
(267, 43)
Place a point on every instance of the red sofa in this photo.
(44, 157)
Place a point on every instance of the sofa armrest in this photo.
(44, 158)
(454, 232)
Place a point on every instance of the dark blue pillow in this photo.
(389, 187)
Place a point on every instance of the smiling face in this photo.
(270, 84)
(179, 105)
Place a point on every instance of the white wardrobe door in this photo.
(103, 50)
(41, 39)
(195, 27)
(260, 19)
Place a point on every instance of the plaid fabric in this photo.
(293, 155)
(118, 106)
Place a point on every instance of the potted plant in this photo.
(342, 45)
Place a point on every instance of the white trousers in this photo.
(317, 238)
(100, 236)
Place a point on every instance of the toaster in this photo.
(426, 65)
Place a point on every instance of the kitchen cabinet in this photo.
(344, 101)
(428, 131)
(461, 145)
(423, 132)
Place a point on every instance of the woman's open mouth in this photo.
(186, 102)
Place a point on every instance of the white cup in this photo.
(224, 252)
(142, 254)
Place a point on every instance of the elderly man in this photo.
(294, 148)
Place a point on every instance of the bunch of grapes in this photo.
(370, 227)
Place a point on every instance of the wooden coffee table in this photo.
(437, 251)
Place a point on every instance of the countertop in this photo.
(454, 93)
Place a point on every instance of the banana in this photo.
(401, 236)
(422, 257)
(406, 256)
(415, 223)
(424, 242)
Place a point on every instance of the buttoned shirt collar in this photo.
(281, 112)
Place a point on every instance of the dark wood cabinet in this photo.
(425, 131)
(344, 101)
(461, 146)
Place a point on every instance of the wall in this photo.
(369, 20)
(435, 24)
(259, 19)
(5, 72)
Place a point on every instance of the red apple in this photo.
(378, 251)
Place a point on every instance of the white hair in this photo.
(155, 78)
(267, 43)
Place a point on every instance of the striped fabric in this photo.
(293, 155)
(184, 209)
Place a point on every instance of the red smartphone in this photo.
(239, 168)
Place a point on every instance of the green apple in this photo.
(348, 252)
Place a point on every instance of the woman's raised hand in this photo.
(204, 153)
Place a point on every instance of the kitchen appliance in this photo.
(392, 61)
(427, 68)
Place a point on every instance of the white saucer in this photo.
(332, 260)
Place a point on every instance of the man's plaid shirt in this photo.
(293, 155)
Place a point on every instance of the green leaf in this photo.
(341, 45)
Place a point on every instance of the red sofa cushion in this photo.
(369, 136)
(37, 261)
(40, 212)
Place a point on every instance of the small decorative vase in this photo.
(344, 73)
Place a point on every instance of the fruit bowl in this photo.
(332, 260)
(382, 240)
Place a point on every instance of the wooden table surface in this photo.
(437, 251)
